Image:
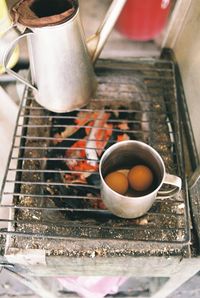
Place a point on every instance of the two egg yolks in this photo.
(140, 178)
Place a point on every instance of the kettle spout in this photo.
(95, 43)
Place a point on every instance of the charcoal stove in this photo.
(57, 223)
(50, 202)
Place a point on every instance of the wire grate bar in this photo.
(80, 234)
(81, 210)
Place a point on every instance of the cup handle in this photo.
(8, 53)
(173, 181)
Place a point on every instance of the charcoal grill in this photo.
(46, 208)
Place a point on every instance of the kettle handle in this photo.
(96, 42)
(8, 53)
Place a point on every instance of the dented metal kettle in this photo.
(61, 59)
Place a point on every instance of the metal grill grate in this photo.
(140, 98)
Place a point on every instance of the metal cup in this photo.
(125, 155)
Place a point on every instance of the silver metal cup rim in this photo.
(122, 143)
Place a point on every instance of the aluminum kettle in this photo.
(61, 59)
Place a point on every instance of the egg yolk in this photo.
(118, 182)
(140, 178)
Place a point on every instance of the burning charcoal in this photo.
(123, 137)
(98, 136)
(94, 179)
(76, 158)
(59, 188)
(64, 127)
(80, 140)
(125, 124)
(75, 123)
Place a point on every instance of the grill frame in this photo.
(139, 247)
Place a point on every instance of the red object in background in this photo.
(143, 19)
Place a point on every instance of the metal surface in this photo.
(140, 93)
(68, 64)
(194, 187)
(123, 156)
(62, 68)
(96, 42)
